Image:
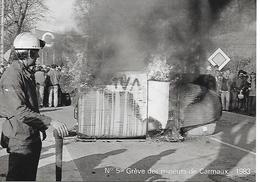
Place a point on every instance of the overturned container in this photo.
(114, 111)
(131, 107)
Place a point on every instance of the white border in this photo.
(257, 88)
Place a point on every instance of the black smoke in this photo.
(123, 34)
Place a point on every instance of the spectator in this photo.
(40, 78)
(245, 92)
(239, 90)
(54, 76)
(46, 70)
(225, 87)
(235, 89)
(218, 77)
(58, 69)
(252, 94)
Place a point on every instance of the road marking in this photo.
(234, 146)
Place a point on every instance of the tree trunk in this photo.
(21, 18)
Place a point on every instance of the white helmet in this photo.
(27, 40)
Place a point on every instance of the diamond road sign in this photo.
(219, 58)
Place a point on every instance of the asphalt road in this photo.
(229, 155)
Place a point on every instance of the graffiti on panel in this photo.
(136, 84)
(127, 83)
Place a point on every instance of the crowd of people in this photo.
(48, 84)
(237, 93)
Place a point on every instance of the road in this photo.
(229, 155)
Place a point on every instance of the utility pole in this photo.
(2, 6)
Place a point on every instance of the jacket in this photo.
(40, 78)
(54, 77)
(225, 84)
(18, 103)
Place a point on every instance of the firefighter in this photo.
(19, 105)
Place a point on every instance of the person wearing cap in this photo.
(19, 105)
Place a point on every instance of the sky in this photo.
(59, 17)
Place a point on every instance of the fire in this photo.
(158, 69)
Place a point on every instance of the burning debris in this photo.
(165, 37)
(158, 69)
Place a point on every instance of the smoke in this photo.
(114, 41)
(216, 7)
(123, 34)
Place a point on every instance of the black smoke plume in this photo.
(123, 34)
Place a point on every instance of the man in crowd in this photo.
(252, 94)
(54, 76)
(238, 89)
(218, 77)
(225, 87)
(19, 105)
(40, 84)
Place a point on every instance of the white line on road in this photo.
(234, 146)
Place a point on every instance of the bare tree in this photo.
(21, 15)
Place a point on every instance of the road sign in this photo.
(219, 58)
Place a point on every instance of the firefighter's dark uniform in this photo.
(23, 124)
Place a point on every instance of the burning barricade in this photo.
(150, 104)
